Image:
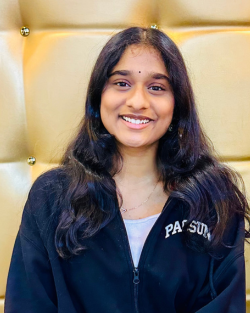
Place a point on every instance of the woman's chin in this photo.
(135, 144)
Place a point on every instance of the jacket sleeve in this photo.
(30, 284)
(226, 290)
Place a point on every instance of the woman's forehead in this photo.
(141, 58)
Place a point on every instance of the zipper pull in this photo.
(136, 279)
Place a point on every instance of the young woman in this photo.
(140, 216)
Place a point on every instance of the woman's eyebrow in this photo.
(153, 74)
(121, 72)
(160, 76)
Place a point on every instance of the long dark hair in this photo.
(188, 168)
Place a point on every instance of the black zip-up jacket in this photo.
(170, 277)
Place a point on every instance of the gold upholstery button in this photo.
(25, 31)
(154, 26)
(31, 161)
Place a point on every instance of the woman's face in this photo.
(137, 102)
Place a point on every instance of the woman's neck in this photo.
(142, 194)
(139, 167)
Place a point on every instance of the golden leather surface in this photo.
(1, 305)
(203, 12)
(91, 14)
(12, 105)
(43, 81)
(10, 15)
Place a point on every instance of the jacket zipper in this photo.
(136, 279)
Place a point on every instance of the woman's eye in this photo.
(122, 84)
(157, 88)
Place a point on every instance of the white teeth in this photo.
(133, 121)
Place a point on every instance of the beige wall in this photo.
(43, 82)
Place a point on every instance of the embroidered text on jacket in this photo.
(194, 227)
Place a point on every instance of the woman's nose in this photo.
(138, 98)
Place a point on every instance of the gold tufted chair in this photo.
(44, 74)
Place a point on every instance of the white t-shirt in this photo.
(138, 231)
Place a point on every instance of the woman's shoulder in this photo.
(46, 191)
(50, 182)
(43, 205)
(52, 178)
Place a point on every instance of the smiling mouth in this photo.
(135, 120)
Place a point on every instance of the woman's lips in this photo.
(136, 116)
(136, 122)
